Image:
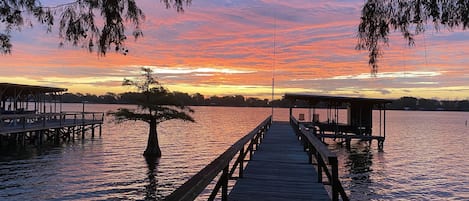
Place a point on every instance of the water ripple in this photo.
(425, 158)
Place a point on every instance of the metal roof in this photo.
(337, 99)
(9, 89)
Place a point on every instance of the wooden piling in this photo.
(82, 132)
(41, 136)
(73, 133)
(347, 143)
(56, 136)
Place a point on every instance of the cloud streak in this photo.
(227, 47)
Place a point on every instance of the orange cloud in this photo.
(220, 47)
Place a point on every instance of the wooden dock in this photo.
(279, 170)
(280, 167)
(44, 124)
(36, 128)
(34, 114)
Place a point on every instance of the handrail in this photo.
(12, 121)
(195, 185)
(18, 116)
(324, 158)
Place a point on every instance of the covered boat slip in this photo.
(359, 117)
(18, 99)
(32, 112)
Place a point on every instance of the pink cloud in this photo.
(314, 40)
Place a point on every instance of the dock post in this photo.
(241, 164)
(310, 155)
(23, 136)
(335, 179)
(348, 142)
(250, 151)
(305, 144)
(224, 186)
(70, 134)
(66, 134)
(57, 136)
(320, 163)
(82, 132)
(100, 129)
(92, 131)
(380, 144)
(258, 139)
(73, 133)
(41, 136)
(261, 136)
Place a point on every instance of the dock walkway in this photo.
(279, 170)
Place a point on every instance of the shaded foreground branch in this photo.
(77, 21)
(410, 18)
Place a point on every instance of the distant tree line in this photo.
(197, 99)
(411, 103)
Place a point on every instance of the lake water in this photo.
(424, 158)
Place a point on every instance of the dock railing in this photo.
(195, 185)
(326, 161)
(13, 122)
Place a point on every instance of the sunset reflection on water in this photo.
(424, 158)
(112, 166)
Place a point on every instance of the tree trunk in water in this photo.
(153, 147)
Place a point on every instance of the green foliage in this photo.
(144, 84)
(77, 21)
(409, 17)
(155, 103)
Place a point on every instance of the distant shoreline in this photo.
(241, 106)
(403, 103)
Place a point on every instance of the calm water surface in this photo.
(424, 158)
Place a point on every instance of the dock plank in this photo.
(279, 170)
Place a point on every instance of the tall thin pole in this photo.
(273, 63)
(384, 122)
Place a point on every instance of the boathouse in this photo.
(34, 114)
(359, 117)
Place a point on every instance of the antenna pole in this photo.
(273, 63)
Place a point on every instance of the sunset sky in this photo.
(226, 47)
